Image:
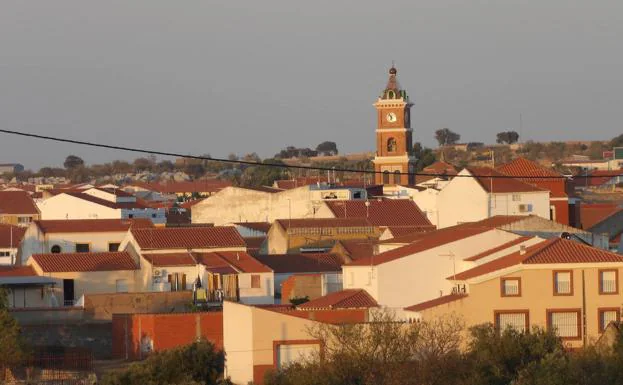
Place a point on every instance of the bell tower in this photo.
(394, 136)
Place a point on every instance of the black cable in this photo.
(173, 154)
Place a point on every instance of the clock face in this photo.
(391, 117)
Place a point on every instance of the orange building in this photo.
(394, 136)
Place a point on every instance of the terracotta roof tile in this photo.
(436, 302)
(170, 259)
(357, 248)
(426, 241)
(90, 225)
(324, 222)
(391, 212)
(593, 214)
(11, 236)
(493, 250)
(398, 231)
(552, 251)
(70, 262)
(345, 299)
(239, 260)
(254, 243)
(557, 184)
(188, 237)
(17, 202)
(257, 226)
(301, 263)
(500, 185)
(16, 271)
(103, 202)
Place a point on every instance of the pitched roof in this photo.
(357, 248)
(239, 260)
(551, 251)
(91, 225)
(11, 236)
(524, 167)
(436, 302)
(70, 262)
(345, 299)
(323, 222)
(103, 202)
(302, 263)
(493, 250)
(170, 259)
(441, 167)
(391, 212)
(426, 241)
(17, 202)
(257, 226)
(398, 231)
(188, 237)
(17, 271)
(493, 181)
(595, 213)
(254, 243)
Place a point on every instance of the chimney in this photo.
(522, 249)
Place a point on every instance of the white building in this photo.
(474, 195)
(173, 259)
(405, 274)
(76, 235)
(98, 203)
(237, 204)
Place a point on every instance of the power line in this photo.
(249, 163)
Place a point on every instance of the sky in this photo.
(216, 77)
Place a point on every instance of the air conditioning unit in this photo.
(525, 208)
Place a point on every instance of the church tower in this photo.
(394, 136)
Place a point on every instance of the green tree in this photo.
(12, 349)
(617, 141)
(197, 363)
(143, 164)
(508, 137)
(424, 155)
(445, 136)
(72, 162)
(255, 176)
(327, 148)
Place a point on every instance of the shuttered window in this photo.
(565, 323)
(255, 281)
(517, 320)
(511, 287)
(563, 283)
(606, 316)
(608, 282)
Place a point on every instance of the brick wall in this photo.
(132, 333)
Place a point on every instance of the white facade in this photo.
(235, 204)
(421, 276)
(464, 200)
(427, 201)
(37, 242)
(64, 206)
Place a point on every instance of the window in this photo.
(5, 253)
(255, 281)
(514, 319)
(516, 197)
(55, 249)
(386, 177)
(391, 145)
(113, 246)
(565, 322)
(82, 247)
(153, 215)
(510, 287)
(24, 220)
(397, 177)
(563, 282)
(608, 281)
(130, 216)
(122, 285)
(607, 315)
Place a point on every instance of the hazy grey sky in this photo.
(241, 76)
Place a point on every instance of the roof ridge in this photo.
(538, 250)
